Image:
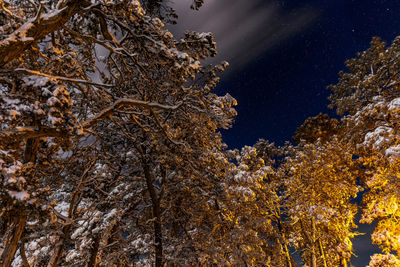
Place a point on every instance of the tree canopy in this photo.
(111, 152)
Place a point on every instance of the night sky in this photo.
(283, 86)
(305, 45)
(283, 54)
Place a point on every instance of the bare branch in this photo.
(39, 12)
(3, 7)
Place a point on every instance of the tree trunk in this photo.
(284, 246)
(11, 239)
(288, 257)
(286, 250)
(95, 249)
(66, 230)
(313, 253)
(158, 237)
(57, 252)
(343, 262)
(313, 258)
(321, 250)
(156, 215)
(17, 227)
(25, 262)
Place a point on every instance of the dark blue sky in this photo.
(283, 86)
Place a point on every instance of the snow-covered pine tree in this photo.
(368, 96)
(109, 145)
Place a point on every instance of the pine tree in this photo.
(368, 95)
(109, 146)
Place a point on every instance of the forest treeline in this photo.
(111, 155)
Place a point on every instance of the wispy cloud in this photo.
(243, 29)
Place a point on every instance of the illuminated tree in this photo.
(369, 95)
(254, 232)
(320, 183)
(319, 128)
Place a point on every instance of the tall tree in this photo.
(102, 86)
(321, 183)
(255, 232)
(369, 96)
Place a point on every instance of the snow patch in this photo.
(35, 81)
(393, 151)
(18, 195)
(394, 105)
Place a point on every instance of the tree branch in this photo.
(35, 29)
(31, 132)
(126, 102)
(61, 78)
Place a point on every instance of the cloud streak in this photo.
(243, 29)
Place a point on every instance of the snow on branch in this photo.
(61, 78)
(31, 132)
(127, 102)
(35, 29)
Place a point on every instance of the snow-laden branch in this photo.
(35, 29)
(126, 102)
(61, 78)
(32, 132)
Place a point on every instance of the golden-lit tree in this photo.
(319, 188)
(369, 96)
(255, 232)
